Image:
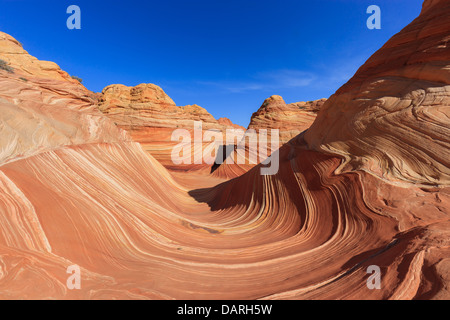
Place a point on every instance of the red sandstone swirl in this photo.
(138, 232)
(392, 117)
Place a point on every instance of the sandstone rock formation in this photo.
(151, 116)
(43, 108)
(227, 122)
(391, 118)
(147, 105)
(365, 186)
(13, 53)
(291, 119)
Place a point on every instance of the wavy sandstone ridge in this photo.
(308, 232)
(392, 117)
(291, 119)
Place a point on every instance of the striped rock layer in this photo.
(76, 190)
(290, 119)
(151, 117)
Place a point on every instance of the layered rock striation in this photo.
(151, 117)
(392, 117)
(290, 119)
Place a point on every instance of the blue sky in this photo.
(226, 56)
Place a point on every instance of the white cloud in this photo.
(266, 81)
